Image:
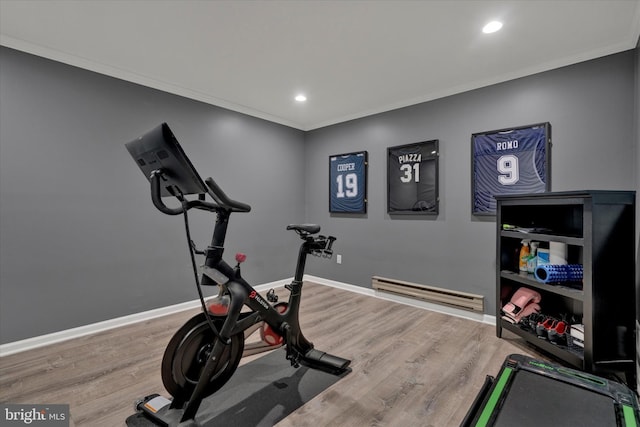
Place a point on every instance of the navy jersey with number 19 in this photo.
(347, 185)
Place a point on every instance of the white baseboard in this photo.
(56, 337)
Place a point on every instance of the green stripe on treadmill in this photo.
(493, 399)
(629, 416)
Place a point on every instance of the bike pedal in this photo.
(271, 296)
(293, 358)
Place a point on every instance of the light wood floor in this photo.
(411, 367)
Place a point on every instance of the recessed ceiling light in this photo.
(492, 27)
(300, 98)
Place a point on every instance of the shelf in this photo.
(569, 198)
(621, 364)
(573, 357)
(530, 281)
(598, 228)
(543, 237)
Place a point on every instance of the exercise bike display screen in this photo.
(159, 149)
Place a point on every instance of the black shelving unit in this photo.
(598, 228)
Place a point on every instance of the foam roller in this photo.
(553, 273)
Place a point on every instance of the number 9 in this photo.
(508, 168)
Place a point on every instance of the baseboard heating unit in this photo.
(457, 299)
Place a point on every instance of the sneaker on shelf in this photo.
(542, 328)
(577, 335)
(557, 335)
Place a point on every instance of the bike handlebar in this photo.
(156, 197)
(223, 202)
(321, 245)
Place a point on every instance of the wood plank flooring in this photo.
(411, 367)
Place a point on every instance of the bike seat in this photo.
(304, 228)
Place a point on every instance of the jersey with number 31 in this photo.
(412, 178)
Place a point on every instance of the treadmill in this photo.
(534, 393)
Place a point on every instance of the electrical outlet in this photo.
(339, 259)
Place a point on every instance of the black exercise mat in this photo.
(263, 392)
(260, 393)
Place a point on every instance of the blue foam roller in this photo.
(553, 273)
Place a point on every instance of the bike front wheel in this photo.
(187, 354)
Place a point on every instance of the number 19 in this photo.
(350, 183)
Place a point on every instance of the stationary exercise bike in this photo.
(204, 353)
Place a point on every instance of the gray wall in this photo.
(81, 241)
(591, 109)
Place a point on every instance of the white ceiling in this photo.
(351, 58)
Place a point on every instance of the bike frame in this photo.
(241, 293)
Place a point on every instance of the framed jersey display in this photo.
(348, 183)
(509, 161)
(412, 178)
